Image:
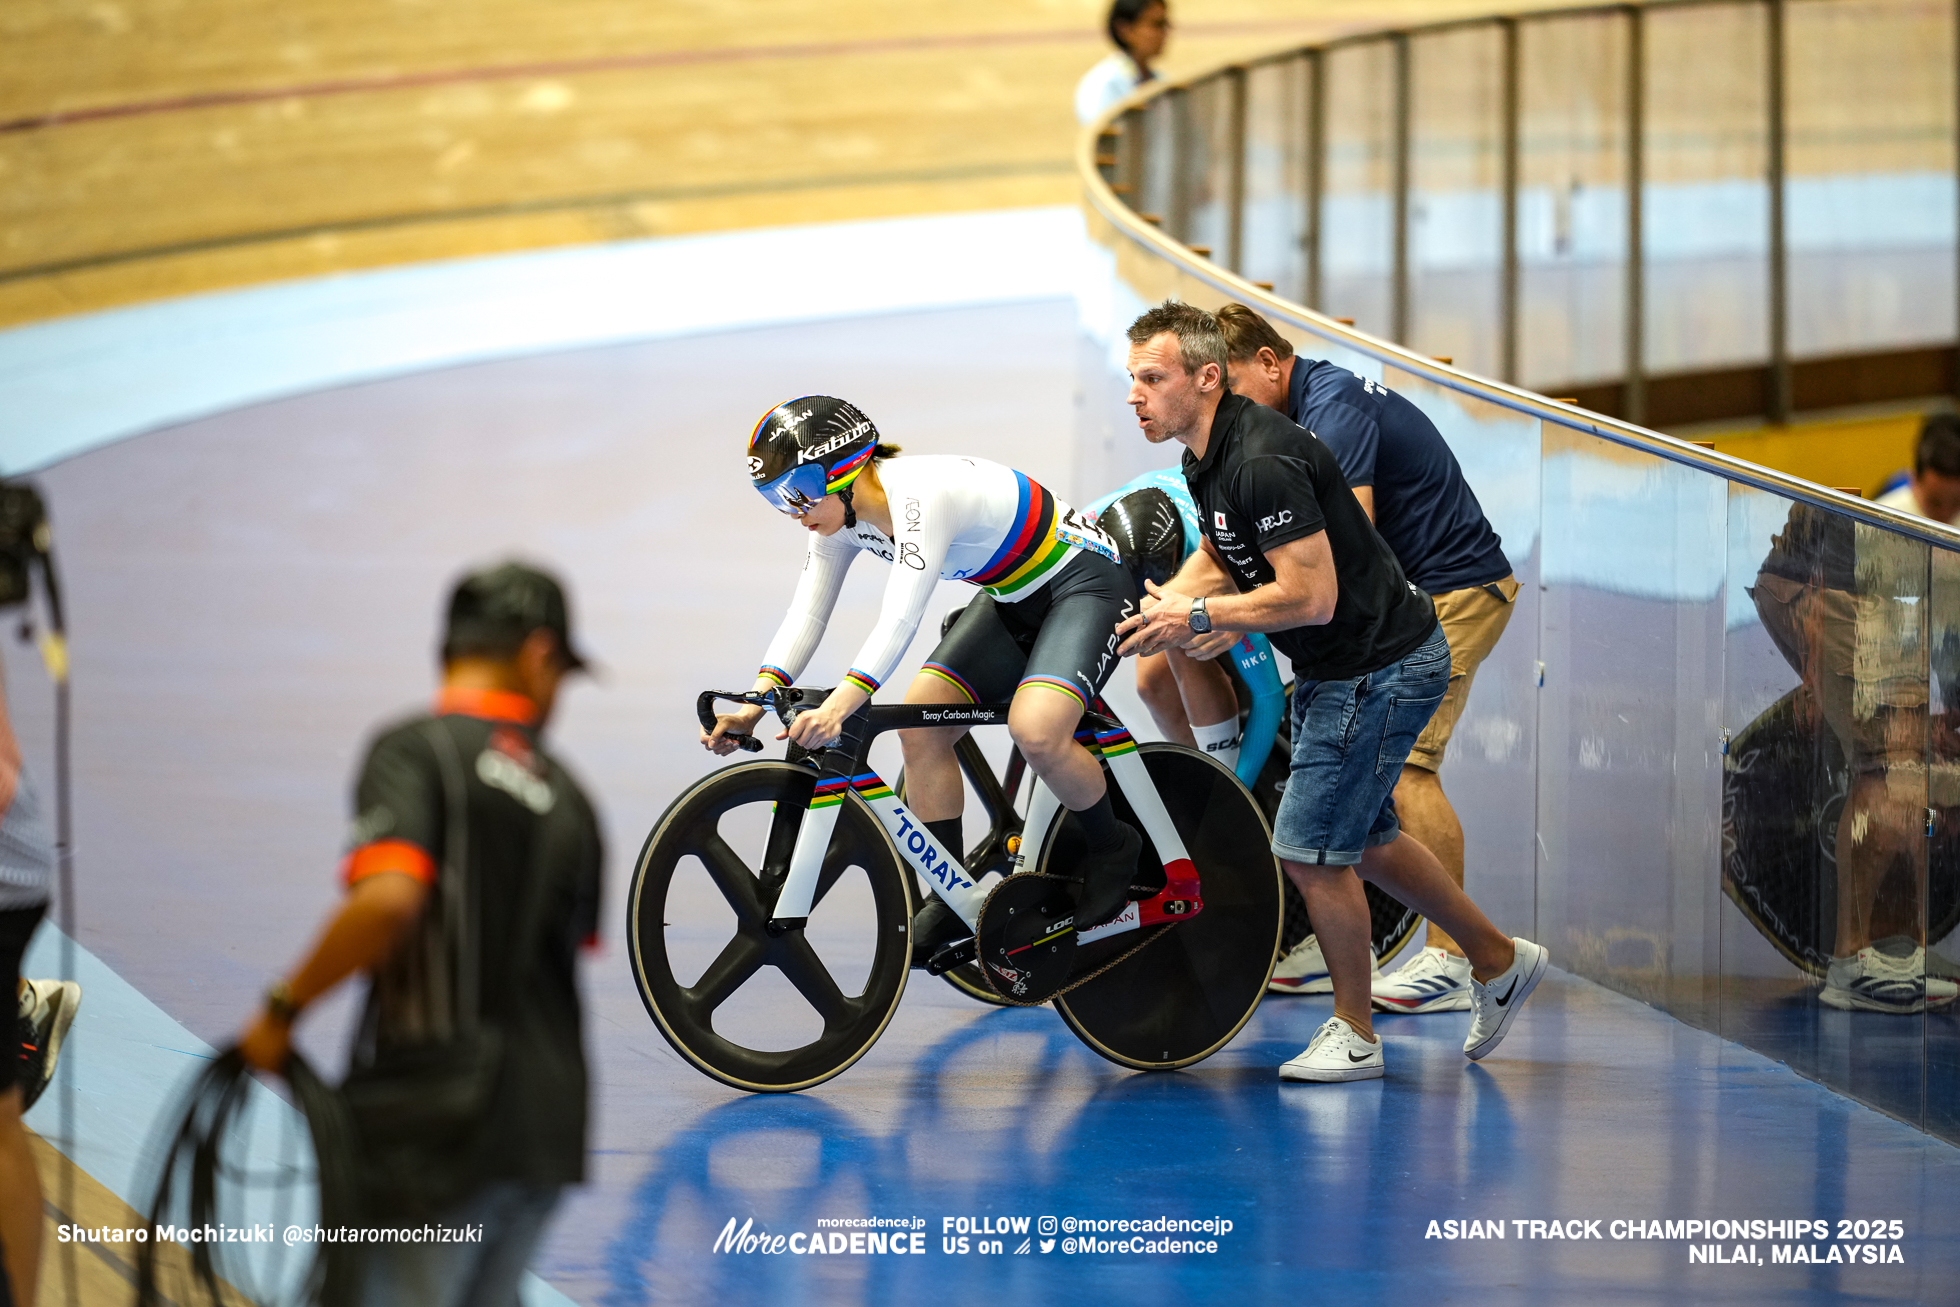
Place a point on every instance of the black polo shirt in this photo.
(526, 818)
(1264, 482)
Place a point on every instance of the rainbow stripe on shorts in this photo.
(1055, 683)
(951, 678)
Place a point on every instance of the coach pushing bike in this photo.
(1290, 552)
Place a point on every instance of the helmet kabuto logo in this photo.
(832, 445)
(755, 467)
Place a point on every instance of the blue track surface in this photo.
(1595, 1108)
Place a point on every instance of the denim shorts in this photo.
(1350, 739)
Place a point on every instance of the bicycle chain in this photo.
(1151, 938)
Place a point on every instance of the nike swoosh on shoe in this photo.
(1507, 993)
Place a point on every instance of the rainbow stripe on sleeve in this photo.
(1031, 550)
(776, 674)
(862, 680)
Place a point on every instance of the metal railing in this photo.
(1674, 212)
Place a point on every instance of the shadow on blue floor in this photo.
(1596, 1108)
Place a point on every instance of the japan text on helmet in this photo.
(1149, 534)
(807, 448)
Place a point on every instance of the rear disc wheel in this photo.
(1185, 996)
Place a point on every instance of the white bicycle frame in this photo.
(944, 869)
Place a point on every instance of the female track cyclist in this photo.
(1042, 633)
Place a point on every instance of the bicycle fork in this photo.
(843, 769)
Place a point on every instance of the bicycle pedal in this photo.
(1026, 938)
(956, 954)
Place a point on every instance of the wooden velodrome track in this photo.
(151, 148)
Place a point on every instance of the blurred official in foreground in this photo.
(472, 875)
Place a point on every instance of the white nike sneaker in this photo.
(1871, 981)
(1437, 981)
(1337, 1053)
(1498, 1002)
(1304, 970)
(47, 1009)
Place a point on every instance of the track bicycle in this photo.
(1165, 984)
(1264, 765)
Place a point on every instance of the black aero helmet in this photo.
(1149, 534)
(807, 448)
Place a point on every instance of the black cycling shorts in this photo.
(16, 928)
(1063, 636)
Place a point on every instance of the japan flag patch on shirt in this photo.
(1218, 519)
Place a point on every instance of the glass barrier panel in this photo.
(1572, 171)
(1357, 209)
(1157, 187)
(1943, 850)
(1456, 208)
(1705, 214)
(1628, 736)
(1491, 755)
(1276, 179)
(1130, 156)
(1824, 812)
(1207, 166)
(1870, 191)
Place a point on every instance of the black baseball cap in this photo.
(501, 605)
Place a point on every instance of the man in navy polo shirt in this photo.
(1289, 552)
(1408, 482)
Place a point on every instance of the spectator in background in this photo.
(1409, 484)
(1932, 488)
(1138, 27)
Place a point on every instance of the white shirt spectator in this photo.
(1105, 84)
(1904, 500)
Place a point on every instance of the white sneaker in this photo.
(1437, 981)
(1498, 1002)
(1337, 1053)
(1871, 981)
(1304, 970)
(47, 1009)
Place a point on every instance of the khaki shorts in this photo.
(1863, 659)
(1472, 621)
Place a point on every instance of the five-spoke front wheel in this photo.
(763, 1012)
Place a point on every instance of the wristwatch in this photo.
(1199, 619)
